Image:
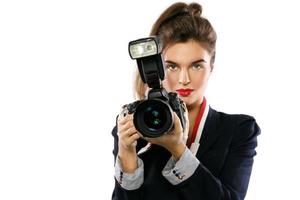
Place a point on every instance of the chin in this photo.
(190, 101)
(187, 100)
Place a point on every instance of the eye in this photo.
(197, 66)
(172, 67)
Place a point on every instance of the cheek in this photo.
(170, 82)
(200, 80)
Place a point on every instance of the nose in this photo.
(184, 78)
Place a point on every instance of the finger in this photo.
(132, 140)
(125, 119)
(134, 137)
(130, 131)
(177, 122)
(123, 123)
(125, 127)
(127, 133)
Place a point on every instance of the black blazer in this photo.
(227, 148)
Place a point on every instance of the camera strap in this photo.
(194, 143)
(144, 149)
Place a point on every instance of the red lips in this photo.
(184, 92)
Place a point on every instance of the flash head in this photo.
(148, 54)
(144, 47)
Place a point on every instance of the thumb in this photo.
(177, 122)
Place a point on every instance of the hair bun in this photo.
(195, 9)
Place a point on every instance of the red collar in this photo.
(197, 122)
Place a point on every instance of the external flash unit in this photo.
(153, 116)
(144, 47)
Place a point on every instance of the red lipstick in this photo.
(184, 92)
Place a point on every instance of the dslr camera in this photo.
(153, 116)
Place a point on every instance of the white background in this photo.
(65, 71)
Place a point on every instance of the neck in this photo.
(193, 111)
(195, 106)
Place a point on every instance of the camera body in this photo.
(153, 116)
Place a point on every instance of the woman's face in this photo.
(187, 71)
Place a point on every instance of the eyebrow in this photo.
(197, 61)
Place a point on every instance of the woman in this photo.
(214, 157)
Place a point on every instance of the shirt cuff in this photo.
(130, 181)
(177, 172)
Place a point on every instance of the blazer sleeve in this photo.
(232, 183)
(120, 193)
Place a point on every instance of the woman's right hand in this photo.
(128, 136)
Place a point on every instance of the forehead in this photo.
(186, 52)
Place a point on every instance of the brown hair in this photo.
(179, 23)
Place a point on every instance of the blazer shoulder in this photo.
(232, 117)
(244, 127)
(247, 125)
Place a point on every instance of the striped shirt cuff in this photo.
(130, 181)
(177, 172)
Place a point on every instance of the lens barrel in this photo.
(153, 118)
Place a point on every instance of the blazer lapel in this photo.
(210, 133)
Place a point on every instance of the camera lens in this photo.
(153, 118)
